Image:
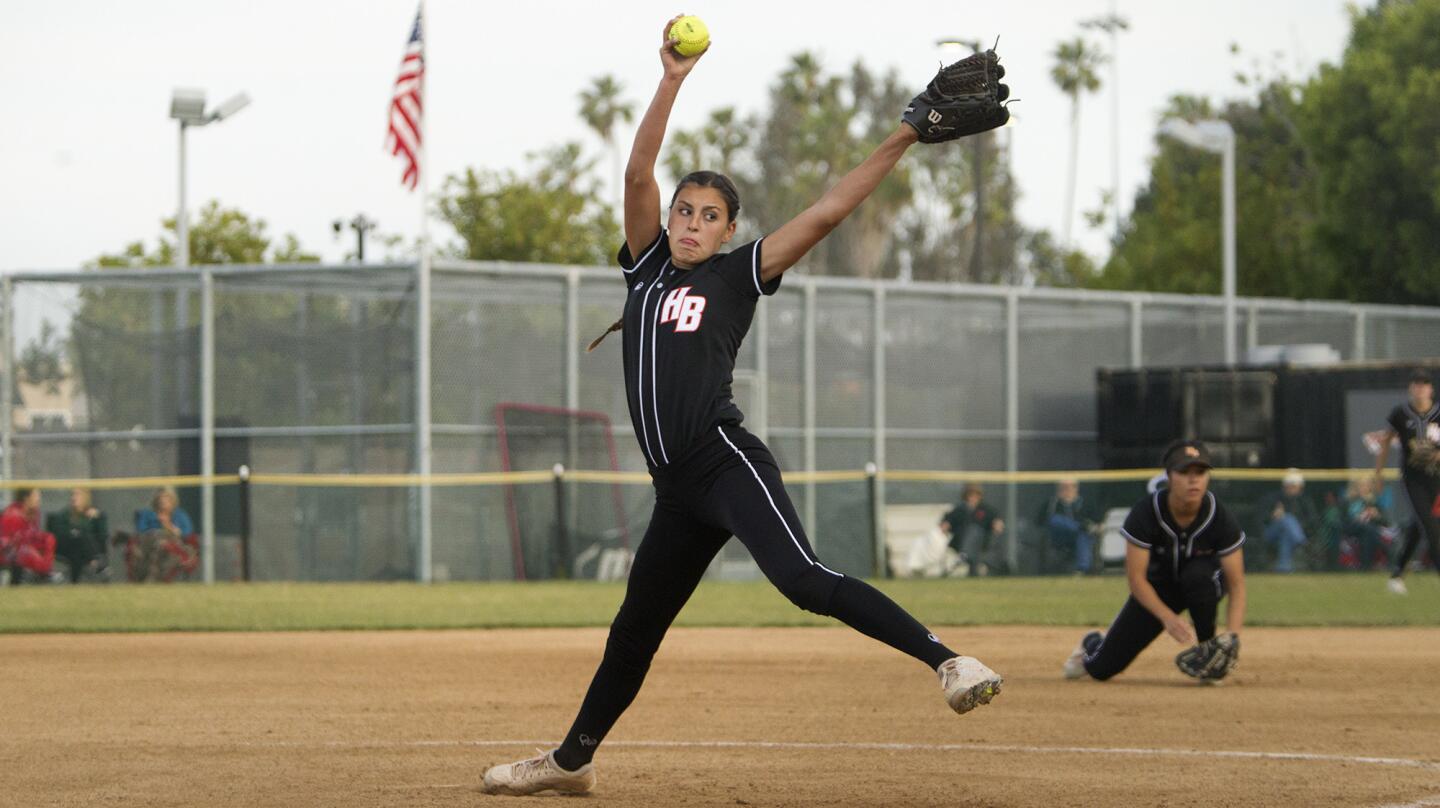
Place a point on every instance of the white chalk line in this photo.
(1424, 802)
(1217, 754)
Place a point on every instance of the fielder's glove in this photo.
(1211, 659)
(965, 98)
(1424, 456)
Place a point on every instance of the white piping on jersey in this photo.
(640, 376)
(642, 258)
(798, 545)
(1132, 539)
(654, 343)
(1175, 540)
(1430, 413)
(1232, 548)
(755, 266)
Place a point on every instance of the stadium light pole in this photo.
(187, 105)
(1217, 137)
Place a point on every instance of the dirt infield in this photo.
(760, 717)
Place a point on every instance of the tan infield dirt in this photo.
(729, 717)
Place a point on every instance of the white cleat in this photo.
(1074, 667)
(1397, 586)
(537, 774)
(968, 683)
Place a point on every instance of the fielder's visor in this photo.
(1183, 454)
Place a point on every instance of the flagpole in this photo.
(424, 449)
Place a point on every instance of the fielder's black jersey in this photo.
(1414, 428)
(1212, 534)
(683, 329)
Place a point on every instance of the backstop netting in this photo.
(562, 531)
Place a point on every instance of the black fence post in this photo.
(877, 532)
(561, 563)
(244, 494)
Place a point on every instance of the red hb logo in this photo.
(683, 309)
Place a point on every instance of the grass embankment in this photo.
(1299, 600)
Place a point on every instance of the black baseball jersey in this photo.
(1212, 534)
(683, 329)
(1414, 427)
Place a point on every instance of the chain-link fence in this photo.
(313, 370)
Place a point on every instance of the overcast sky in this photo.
(88, 162)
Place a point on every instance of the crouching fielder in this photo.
(688, 309)
(1183, 554)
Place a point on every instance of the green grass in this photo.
(1299, 600)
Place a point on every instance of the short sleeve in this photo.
(1140, 526)
(654, 254)
(1228, 536)
(1396, 420)
(740, 269)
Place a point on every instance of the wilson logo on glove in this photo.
(965, 98)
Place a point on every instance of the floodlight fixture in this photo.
(187, 105)
(236, 103)
(1211, 136)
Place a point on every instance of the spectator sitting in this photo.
(971, 524)
(1290, 519)
(1365, 522)
(161, 551)
(80, 532)
(1069, 524)
(27, 552)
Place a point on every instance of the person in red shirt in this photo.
(24, 548)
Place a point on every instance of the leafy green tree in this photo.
(134, 347)
(717, 145)
(1172, 241)
(220, 236)
(553, 215)
(1372, 123)
(42, 360)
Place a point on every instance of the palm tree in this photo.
(1075, 73)
(601, 107)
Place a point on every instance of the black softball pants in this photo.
(1423, 492)
(1199, 590)
(729, 486)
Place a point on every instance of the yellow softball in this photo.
(692, 34)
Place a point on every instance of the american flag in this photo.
(406, 109)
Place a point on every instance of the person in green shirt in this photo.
(80, 532)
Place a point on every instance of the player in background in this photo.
(1416, 424)
(688, 309)
(1183, 553)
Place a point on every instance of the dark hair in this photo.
(22, 494)
(1421, 376)
(716, 180)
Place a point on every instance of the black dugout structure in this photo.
(1271, 416)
